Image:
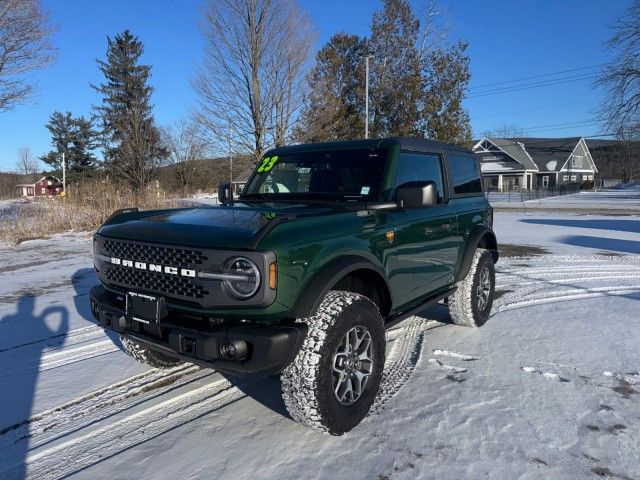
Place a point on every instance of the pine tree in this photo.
(61, 126)
(446, 80)
(334, 109)
(416, 85)
(395, 70)
(132, 142)
(76, 138)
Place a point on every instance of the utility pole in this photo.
(366, 97)
(64, 175)
(230, 162)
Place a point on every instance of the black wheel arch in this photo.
(351, 273)
(480, 237)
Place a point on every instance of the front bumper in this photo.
(263, 348)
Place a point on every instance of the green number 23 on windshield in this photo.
(267, 164)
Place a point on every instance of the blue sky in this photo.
(508, 40)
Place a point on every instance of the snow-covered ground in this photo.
(548, 388)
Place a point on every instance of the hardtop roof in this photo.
(414, 144)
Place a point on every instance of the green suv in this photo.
(327, 246)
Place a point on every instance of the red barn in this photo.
(47, 186)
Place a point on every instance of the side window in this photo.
(414, 167)
(465, 174)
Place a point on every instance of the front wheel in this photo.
(333, 381)
(146, 355)
(470, 305)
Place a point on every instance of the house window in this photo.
(576, 161)
(565, 178)
(545, 181)
(573, 178)
(590, 177)
(43, 191)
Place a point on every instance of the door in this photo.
(425, 238)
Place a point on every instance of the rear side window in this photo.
(465, 174)
(416, 167)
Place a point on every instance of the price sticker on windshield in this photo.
(267, 164)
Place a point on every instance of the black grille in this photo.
(166, 284)
(175, 257)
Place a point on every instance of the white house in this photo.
(529, 163)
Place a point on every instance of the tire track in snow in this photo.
(82, 451)
(402, 358)
(64, 339)
(506, 303)
(57, 359)
(88, 408)
(568, 278)
(65, 457)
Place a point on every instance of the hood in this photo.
(240, 226)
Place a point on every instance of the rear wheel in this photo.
(470, 305)
(332, 383)
(146, 355)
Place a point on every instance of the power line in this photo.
(584, 123)
(529, 86)
(536, 76)
(548, 107)
(560, 126)
(532, 140)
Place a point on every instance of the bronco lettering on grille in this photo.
(151, 267)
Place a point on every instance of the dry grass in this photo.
(85, 208)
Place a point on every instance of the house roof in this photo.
(515, 150)
(36, 180)
(550, 154)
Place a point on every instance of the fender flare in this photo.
(315, 290)
(480, 234)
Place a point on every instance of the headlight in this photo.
(243, 278)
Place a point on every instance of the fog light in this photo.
(234, 350)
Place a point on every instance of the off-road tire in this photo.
(146, 355)
(307, 383)
(464, 302)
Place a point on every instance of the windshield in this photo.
(332, 175)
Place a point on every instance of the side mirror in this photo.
(417, 194)
(225, 194)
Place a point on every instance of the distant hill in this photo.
(607, 156)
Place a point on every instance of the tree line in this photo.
(258, 87)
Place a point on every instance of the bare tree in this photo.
(620, 109)
(186, 144)
(626, 159)
(25, 45)
(140, 150)
(27, 163)
(507, 130)
(621, 77)
(249, 83)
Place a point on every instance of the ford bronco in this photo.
(327, 246)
